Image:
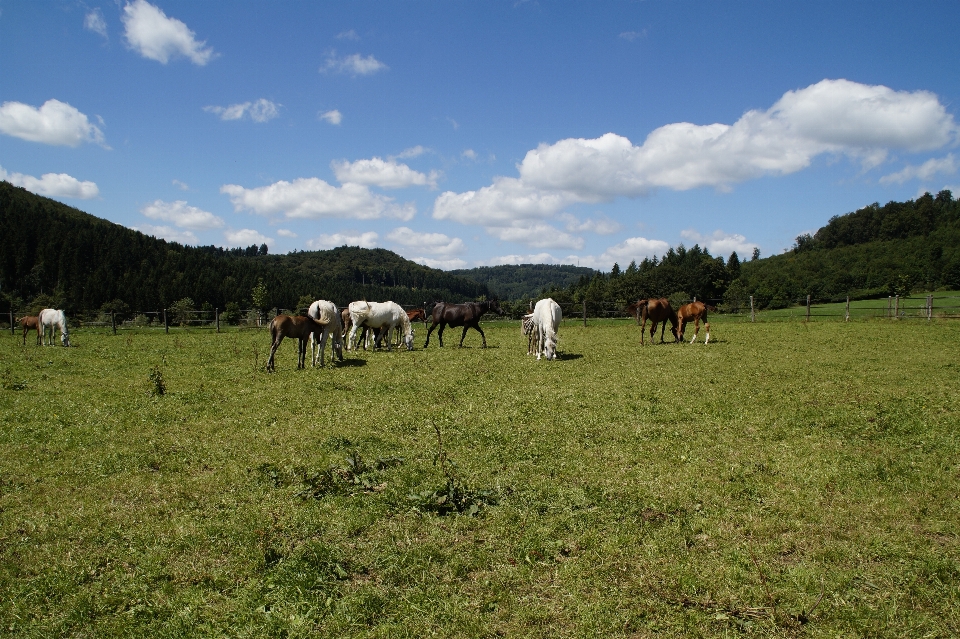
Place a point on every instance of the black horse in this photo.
(465, 315)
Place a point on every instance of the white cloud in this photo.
(832, 116)
(333, 117)
(947, 165)
(536, 258)
(443, 264)
(55, 122)
(353, 64)
(535, 234)
(385, 174)
(246, 237)
(150, 32)
(721, 243)
(181, 185)
(434, 243)
(631, 249)
(53, 185)
(312, 198)
(412, 152)
(601, 225)
(168, 233)
(181, 214)
(363, 240)
(633, 35)
(94, 21)
(260, 111)
(348, 35)
(286, 233)
(470, 154)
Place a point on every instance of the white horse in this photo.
(529, 329)
(383, 316)
(546, 318)
(53, 319)
(326, 313)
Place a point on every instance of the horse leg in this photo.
(440, 333)
(480, 330)
(706, 327)
(696, 329)
(273, 351)
(663, 328)
(643, 329)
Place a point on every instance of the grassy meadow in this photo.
(788, 479)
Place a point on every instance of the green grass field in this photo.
(788, 479)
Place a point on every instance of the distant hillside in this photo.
(525, 281)
(57, 255)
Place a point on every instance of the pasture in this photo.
(788, 479)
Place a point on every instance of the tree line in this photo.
(53, 255)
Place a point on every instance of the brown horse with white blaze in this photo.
(697, 312)
(298, 327)
(658, 311)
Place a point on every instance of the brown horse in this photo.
(294, 326)
(465, 315)
(30, 322)
(633, 310)
(658, 311)
(695, 311)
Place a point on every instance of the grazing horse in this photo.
(658, 311)
(28, 323)
(300, 327)
(547, 316)
(326, 313)
(529, 328)
(696, 311)
(54, 319)
(383, 316)
(465, 315)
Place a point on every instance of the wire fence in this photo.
(933, 306)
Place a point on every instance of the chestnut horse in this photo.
(658, 311)
(300, 327)
(465, 315)
(695, 311)
(30, 322)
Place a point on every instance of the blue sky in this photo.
(461, 134)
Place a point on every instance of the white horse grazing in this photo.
(383, 316)
(53, 319)
(529, 328)
(326, 313)
(546, 317)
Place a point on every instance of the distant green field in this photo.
(946, 304)
(788, 479)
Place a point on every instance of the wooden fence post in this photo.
(216, 314)
(929, 307)
(166, 326)
(753, 317)
(584, 313)
(12, 330)
(808, 308)
(113, 321)
(847, 317)
(896, 311)
(889, 305)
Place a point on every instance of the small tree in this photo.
(182, 310)
(259, 297)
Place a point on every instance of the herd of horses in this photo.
(375, 321)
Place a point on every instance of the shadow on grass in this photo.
(352, 361)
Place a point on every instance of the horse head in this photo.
(494, 305)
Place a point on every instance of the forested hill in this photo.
(524, 281)
(876, 251)
(55, 255)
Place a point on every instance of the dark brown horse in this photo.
(658, 311)
(696, 311)
(30, 322)
(465, 315)
(295, 326)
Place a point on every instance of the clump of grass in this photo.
(454, 496)
(159, 385)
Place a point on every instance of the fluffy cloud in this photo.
(182, 215)
(632, 249)
(53, 185)
(434, 243)
(94, 21)
(55, 123)
(444, 264)
(246, 237)
(536, 258)
(348, 35)
(934, 166)
(312, 198)
(353, 64)
(168, 233)
(150, 32)
(832, 116)
(412, 152)
(333, 117)
(260, 111)
(363, 240)
(721, 243)
(286, 233)
(601, 225)
(387, 174)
